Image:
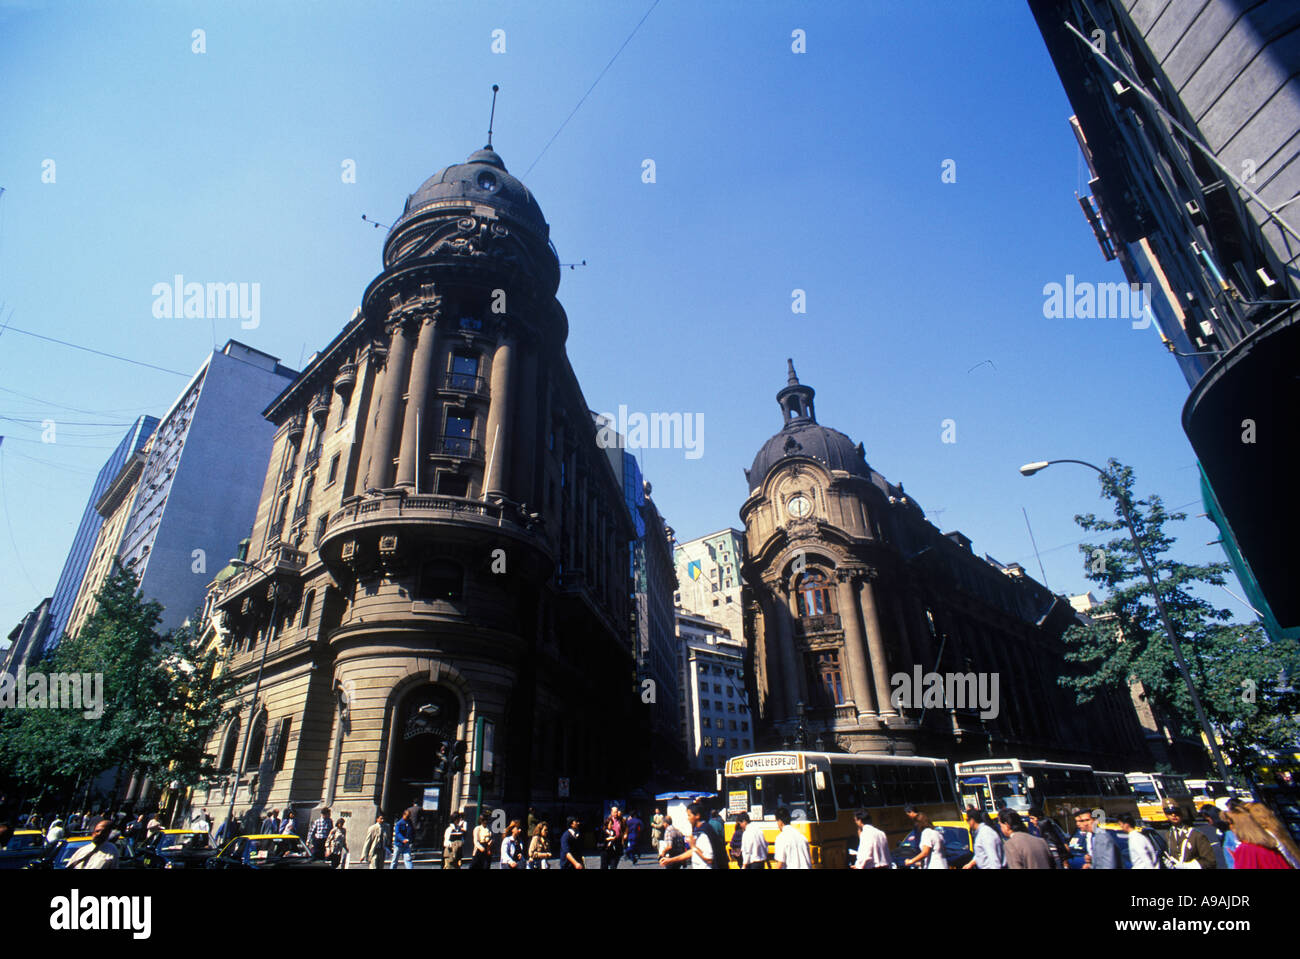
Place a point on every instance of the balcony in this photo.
(286, 480)
(279, 558)
(459, 447)
(810, 625)
(319, 407)
(345, 379)
(296, 427)
(465, 383)
(312, 458)
(396, 508)
(300, 512)
(273, 534)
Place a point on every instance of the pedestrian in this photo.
(1022, 849)
(336, 844)
(1214, 815)
(1262, 841)
(753, 844)
(539, 847)
(56, 831)
(735, 850)
(705, 849)
(287, 825)
(657, 828)
(153, 829)
(633, 839)
(373, 851)
(531, 822)
(135, 829)
(613, 850)
(1188, 846)
(453, 841)
(99, 853)
(271, 824)
(873, 844)
(228, 830)
(987, 843)
(1141, 850)
(512, 847)
(1057, 843)
(319, 833)
(571, 846)
(717, 825)
(1100, 850)
(403, 833)
(672, 845)
(792, 850)
(482, 843)
(930, 841)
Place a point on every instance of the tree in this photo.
(1241, 676)
(161, 699)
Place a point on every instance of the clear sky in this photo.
(774, 171)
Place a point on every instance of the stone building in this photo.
(849, 587)
(440, 558)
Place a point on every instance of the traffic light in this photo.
(458, 749)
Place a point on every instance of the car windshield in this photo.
(25, 841)
(184, 842)
(280, 847)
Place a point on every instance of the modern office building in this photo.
(715, 719)
(709, 580)
(179, 509)
(440, 559)
(854, 600)
(1188, 115)
(83, 544)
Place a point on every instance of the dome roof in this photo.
(802, 435)
(482, 178)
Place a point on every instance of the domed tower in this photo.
(439, 561)
(823, 643)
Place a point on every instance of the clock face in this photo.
(799, 505)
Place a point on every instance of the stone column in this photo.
(499, 422)
(854, 651)
(408, 469)
(527, 441)
(773, 654)
(876, 646)
(386, 436)
(797, 685)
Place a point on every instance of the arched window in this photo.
(306, 608)
(814, 594)
(228, 748)
(257, 742)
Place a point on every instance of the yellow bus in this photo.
(1019, 784)
(822, 791)
(1151, 791)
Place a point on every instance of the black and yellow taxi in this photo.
(177, 849)
(266, 851)
(23, 846)
(957, 846)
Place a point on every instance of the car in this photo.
(24, 846)
(1077, 847)
(265, 851)
(56, 854)
(177, 849)
(956, 846)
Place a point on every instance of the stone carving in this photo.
(473, 237)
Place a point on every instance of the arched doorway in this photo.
(428, 719)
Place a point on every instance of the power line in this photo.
(42, 419)
(592, 87)
(87, 349)
(4, 504)
(75, 409)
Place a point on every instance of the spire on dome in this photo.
(796, 399)
(792, 379)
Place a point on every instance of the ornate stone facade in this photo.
(848, 587)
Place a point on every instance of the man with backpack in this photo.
(705, 849)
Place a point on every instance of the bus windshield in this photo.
(1008, 790)
(769, 792)
(1145, 790)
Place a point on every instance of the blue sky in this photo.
(775, 171)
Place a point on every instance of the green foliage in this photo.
(1126, 641)
(161, 700)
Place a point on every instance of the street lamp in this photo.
(257, 686)
(1108, 484)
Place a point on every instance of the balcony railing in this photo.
(828, 623)
(465, 383)
(395, 504)
(287, 478)
(300, 512)
(458, 446)
(277, 527)
(312, 458)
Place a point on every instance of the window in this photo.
(334, 470)
(306, 608)
(744, 726)
(257, 743)
(717, 688)
(731, 707)
(827, 681)
(457, 436)
(321, 523)
(814, 594)
(440, 579)
(730, 692)
(282, 742)
(720, 743)
(731, 724)
(227, 763)
(706, 722)
(453, 484)
(464, 372)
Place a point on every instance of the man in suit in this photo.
(1102, 852)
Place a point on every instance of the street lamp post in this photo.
(1029, 469)
(257, 686)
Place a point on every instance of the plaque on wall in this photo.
(353, 776)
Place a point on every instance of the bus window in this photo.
(919, 784)
(847, 790)
(771, 791)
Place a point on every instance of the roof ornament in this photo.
(492, 116)
(792, 379)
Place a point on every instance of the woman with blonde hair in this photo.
(1263, 841)
(539, 847)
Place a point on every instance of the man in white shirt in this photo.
(873, 844)
(700, 848)
(753, 845)
(1141, 851)
(99, 853)
(792, 850)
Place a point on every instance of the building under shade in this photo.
(440, 559)
(851, 595)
